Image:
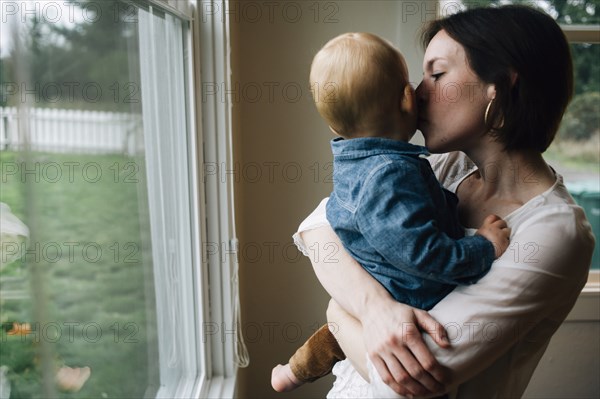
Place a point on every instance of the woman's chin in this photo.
(424, 128)
(426, 136)
(433, 143)
(433, 146)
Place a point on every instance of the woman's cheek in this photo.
(433, 138)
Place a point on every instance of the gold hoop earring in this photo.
(487, 111)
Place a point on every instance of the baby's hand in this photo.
(495, 230)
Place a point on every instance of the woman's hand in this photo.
(393, 340)
(391, 330)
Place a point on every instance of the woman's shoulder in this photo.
(554, 207)
(450, 168)
(555, 230)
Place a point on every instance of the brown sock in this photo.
(317, 356)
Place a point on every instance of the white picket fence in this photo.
(70, 131)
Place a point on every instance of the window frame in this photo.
(211, 55)
(578, 33)
(582, 33)
(182, 381)
(207, 60)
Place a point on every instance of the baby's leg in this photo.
(313, 360)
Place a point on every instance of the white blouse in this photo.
(499, 327)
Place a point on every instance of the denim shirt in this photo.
(399, 223)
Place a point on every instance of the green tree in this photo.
(88, 64)
(583, 118)
(5, 72)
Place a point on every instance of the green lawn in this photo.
(105, 291)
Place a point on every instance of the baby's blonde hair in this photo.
(358, 80)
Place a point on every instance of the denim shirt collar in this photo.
(366, 146)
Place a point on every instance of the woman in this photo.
(496, 84)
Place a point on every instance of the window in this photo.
(104, 276)
(576, 151)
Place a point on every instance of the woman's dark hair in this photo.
(516, 39)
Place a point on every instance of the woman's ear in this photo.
(491, 92)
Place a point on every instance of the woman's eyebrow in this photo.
(432, 61)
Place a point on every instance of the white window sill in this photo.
(219, 387)
(593, 283)
(587, 307)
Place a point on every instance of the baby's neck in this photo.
(392, 136)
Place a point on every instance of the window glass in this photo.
(575, 153)
(576, 150)
(584, 12)
(95, 248)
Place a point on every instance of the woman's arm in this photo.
(392, 331)
(348, 332)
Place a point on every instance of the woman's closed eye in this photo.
(436, 76)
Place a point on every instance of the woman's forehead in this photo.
(442, 48)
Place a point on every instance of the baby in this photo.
(387, 207)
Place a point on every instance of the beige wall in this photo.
(279, 296)
(275, 138)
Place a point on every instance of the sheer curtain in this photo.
(166, 138)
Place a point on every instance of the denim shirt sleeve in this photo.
(394, 214)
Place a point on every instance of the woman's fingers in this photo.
(428, 371)
(403, 371)
(399, 379)
(386, 376)
(422, 352)
(420, 380)
(400, 355)
(433, 328)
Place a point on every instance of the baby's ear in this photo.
(408, 104)
(334, 131)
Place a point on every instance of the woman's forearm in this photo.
(391, 331)
(355, 290)
(348, 332)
